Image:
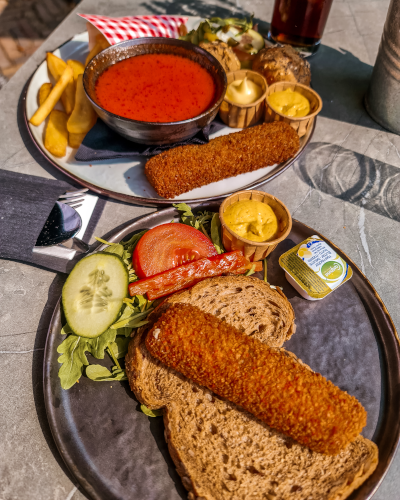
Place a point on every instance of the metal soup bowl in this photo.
(154, 132)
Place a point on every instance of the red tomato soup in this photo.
(156, 88)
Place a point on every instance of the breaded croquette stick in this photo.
(184, 168)
(275, 388)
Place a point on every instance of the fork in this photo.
(73, 198)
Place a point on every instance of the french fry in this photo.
(68, 96)
(101, 44)
(75, 140)
(57, 67)
(44, 110)
(96, 50)
(44, 92)
(56, 134)
(83, 116)
(77, 67)
(102, 41)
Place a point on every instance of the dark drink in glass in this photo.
(300, 22)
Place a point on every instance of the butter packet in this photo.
(314, 269)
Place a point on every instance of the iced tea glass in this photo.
(300, 23)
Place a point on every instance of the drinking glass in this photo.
(300, 23)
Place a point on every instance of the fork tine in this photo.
(73, 200)
(75, 206)
(71, 194)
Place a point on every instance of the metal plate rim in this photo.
(370, 486)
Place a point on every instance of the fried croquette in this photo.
(281, 392)
(184, 168)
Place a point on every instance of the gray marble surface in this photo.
(346, 185)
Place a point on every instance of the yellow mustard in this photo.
(253, 220)
(290, 103)
(243, 91)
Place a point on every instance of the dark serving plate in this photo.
(117, 452)
(148, 132)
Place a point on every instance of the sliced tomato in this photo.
(184, 276)
(168, 246)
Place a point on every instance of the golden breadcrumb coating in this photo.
(281, 392)
(184, 168)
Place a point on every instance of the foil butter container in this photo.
(314, 269)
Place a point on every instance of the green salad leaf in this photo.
(120, 347)
(72, 359)
(207, 222)
(115, 340)
(66, 329)
(265, 270)
(99, 344)
(216, 234)
(151, 413)
(100, 373)
(251, 271)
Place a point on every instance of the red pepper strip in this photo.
(181, 277)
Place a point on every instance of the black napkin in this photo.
(102, 143)
(25, 203)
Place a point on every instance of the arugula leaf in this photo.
(72, 359)
(66, 329)
(100, 373)
(216, 234)
(99, 344)
(130, 245)
(115, 248)
(120, 347)
(200, 221)
(251, 271)
(151, 413)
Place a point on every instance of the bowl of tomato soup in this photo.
(155, 90)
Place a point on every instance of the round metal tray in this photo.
(117, 452)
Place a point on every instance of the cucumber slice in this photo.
(93, 294)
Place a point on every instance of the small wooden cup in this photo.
(254, 250)
(301, 125)
(243, 115)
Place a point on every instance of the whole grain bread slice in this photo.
(221, 451)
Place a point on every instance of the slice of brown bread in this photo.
(247, 303)
(223, 452)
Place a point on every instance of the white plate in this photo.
(124, 179)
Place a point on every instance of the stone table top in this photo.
(346, 186)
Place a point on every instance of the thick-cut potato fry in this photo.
(96, 50)
(83, 116)
(75, 140)
(77, 67)
(44, 110)
(57, 67)
(101, 44)
(56, 135)
(44, 92)
(68, 96)
(102, 41)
